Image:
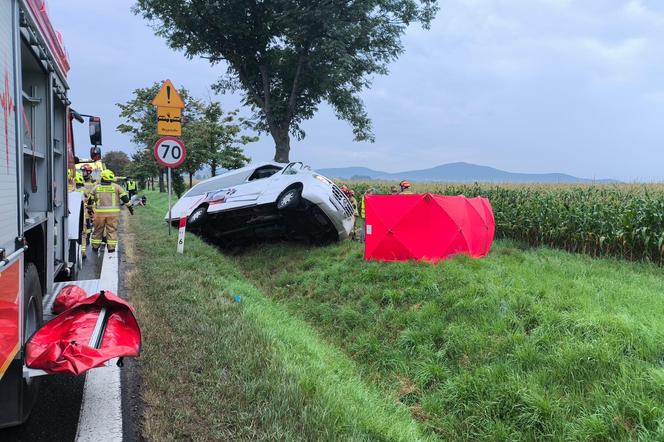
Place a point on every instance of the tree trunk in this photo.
(162, 186)
(190, 179)
(282, 145)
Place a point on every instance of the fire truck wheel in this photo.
(32, 321)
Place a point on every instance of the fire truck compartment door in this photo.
(94, 331)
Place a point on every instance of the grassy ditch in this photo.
(216, 369)
(527, 344)
(532, 344)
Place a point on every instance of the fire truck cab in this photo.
(40, 213)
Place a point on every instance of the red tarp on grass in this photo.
(62, 344)
(427, 227)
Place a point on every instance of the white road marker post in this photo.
(181, 233)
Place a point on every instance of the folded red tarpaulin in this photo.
(62, 344)
(67, 297)
(427, 227)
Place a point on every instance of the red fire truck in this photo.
(40, 214)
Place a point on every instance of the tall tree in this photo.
(288, 56)
(117, 161)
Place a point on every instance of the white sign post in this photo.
(181, 232)
(170, 153)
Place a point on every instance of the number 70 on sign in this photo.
(170, 152)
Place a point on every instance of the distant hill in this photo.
(457, 172)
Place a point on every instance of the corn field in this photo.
(600, 220)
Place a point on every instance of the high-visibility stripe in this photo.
(112, 242)
(10, 358)
(109, 210)
(96, 242)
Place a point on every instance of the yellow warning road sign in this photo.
(169, 121)
(168, 96)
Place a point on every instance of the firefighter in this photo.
(86, 170)
(90, 183)
(109, 197)
(363, 212)
(405, 188)
(131, 187)
(394, 190)
(80, 186)
(80, 182)
(350, 194)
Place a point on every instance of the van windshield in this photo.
(294, 168)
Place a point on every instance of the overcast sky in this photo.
(522, 85)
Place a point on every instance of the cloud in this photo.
(525, 85)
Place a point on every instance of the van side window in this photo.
(264, 172)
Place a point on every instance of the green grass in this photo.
(214, 369)
(527, 344)
(524, 345)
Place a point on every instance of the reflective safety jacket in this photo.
(84, 192)
(131, 185)
(89, 186)
(353, 202)
(108, 197)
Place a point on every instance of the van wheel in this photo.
(290, 199)
(32, 321)
(197, 217)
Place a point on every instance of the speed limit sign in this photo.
(170, 152)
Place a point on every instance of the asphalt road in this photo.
(55, 416)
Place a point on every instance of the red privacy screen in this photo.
(427, 227)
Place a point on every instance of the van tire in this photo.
(197, 217)
(289, 199)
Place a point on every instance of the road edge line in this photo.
(100, 417)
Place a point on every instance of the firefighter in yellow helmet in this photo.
(90, 183)
(80, 187)
(405, 188)
(80, 181)
(109, 197)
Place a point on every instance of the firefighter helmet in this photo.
(107, 175)
(86, 169)
(404, 184)
(79, 178)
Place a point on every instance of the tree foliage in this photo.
(220, 139)
(288, 56)
(117, 161)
